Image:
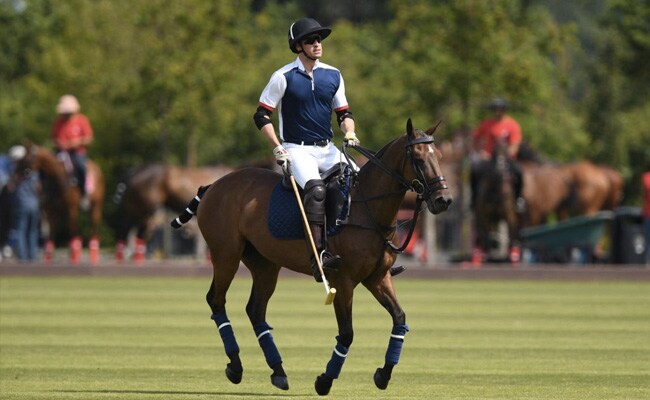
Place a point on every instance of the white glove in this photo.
(351, 139)
(283, 158)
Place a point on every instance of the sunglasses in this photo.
(313, 39)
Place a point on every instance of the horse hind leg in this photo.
(224, 273)
(265, 277)
(234, 369)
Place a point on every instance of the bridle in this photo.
(424, 188)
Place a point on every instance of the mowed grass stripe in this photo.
(141, 338)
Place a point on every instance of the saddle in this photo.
(283, 214)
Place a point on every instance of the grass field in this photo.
(151, 338)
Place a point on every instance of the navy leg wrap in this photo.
(264, 337)
(395, 344)
(226, 332)
(335, 364)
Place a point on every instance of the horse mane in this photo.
(381, 151)
(418, 133)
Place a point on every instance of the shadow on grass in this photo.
(168, 393)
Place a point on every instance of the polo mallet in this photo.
(330, 292)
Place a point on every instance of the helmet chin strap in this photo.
(307, 55)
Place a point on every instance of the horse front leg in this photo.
(343, 310)
(216, 298)
(384, 292)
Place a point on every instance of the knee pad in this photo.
(315, 201)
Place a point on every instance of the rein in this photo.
(422, 188)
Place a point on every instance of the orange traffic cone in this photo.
(140, 251)
(93, 250)
(515, 254)
(119, 251)
(48, 251)
(477, 257)
(75, 246)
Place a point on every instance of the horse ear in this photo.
(431, 130)
(409, 127)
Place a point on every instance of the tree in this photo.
(616, 109)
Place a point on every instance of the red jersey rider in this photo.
(497, 127)
(72, 133)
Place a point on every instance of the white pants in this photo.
(307, 162)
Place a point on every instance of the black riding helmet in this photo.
(304, 27)
(498, 103)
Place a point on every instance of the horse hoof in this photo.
(323, 384)
(380, 380)
(233, 375)
(280, 382)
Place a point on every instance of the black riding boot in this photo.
(329, 262)
(315, 210)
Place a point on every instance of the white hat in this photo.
(68, 104)
(17, 152)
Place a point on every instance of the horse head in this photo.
(423, 169)
(40, 159)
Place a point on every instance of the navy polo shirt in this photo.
(304, 103)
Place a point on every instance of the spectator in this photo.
(26, 207)
(645, 180)
(6, 168)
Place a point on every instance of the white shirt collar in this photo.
(301, 66)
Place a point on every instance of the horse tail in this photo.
(190, 210)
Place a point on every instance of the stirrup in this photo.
(329, 262)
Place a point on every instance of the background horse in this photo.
(61, 198)
(579, 188)
(595, 188)
(151, 188)
(546, 191)
(496, 200)
(232, 216)
(157, 186)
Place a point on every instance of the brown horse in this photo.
(232, 216)
(546, 190)
(595, 188)
(150, 188)
(156, 186)
(62, 198)
(496, 200)
(580, 188)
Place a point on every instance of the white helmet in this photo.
(17, 152)
(68, 104)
